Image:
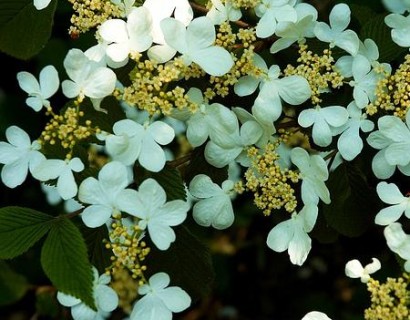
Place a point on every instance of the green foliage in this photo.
(98, 254)
(65, 261)
(169, 178)
(47, 304)
(24, 30)
(354, 202)
(13, 286)
(187, 261)
(20, 229)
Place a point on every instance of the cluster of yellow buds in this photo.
(318, 70)
(269, 182)
(393, 92)
(389, 300)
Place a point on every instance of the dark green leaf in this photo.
(99, 255)
(24, 30)
(13, 286)
(187, 261)
(199, 165)
(20, 229)
(354, 204)
(376, 29)
(169, 178)
(65, 261)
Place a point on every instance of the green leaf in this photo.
(99, 255)
(20, 229)
(188, 263)
(376, 29)
(24, 30)
(354, 203)
(199, 165)
(65, 261)
(169, 178)
(13, 286)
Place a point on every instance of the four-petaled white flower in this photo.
(354, 269)
(290, 32)
(271, 12)
(313, 171)
(125, 38)
(159, 300)
(335, 34)
(316, 315)
(393, 141)
(196, 44)
(221, 12)
(322, 120)
(63, 172)
(397, 6)
(272, 90)
(132, 141)
(107, 195)
(156, 214)
(214, 207)
(292, 234)
(106, 300)
(390, 194)
(18, 156)
(88, 78)
(39, 92)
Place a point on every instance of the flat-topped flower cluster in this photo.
(189, 64)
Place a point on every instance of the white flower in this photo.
(390, 194)
(271, 12)
(393, 141)
(126, 6)
(322, 120)
(156, 214)
(159, 301)
(39, 92)
(18, 156)
(350, 144)
(315, 315)
(290, 32)
(41, 4)
(398, 242)
(63, 172)
(336, 34)
(88, 78)
(313, 171)
(125, 38)
(400, 28)
(214, 206)
(292, 235)
(268, 105)
(106, 300)
(159, 9)
(195, 43)
(354, 269)
(221, 12)
(230, 145)
(132, 141)
(107, 195)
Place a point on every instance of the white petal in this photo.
(280, 236)
(175, 299)
(216, 211)
(374, 266)
(100, 84)
(315, 315)
(150, 308)
(159, 281)
(394, 128)
(354, 269)
(339, 17)
(151, 193)
(49, 81)
(389, 193)
(49, 169)
(67, 300)
(200, 34)
(41, 4)
(246, 85)
(66, 185)
(398, 153)
(172, 213)
(106, 298)
(299, 247)
(152, 157)
(201, 186)
(161, 132)
(215, 61)
(15, 173)
(28, 82)
(390, 214)
(294, 89)
(18, 137)
(161, 235)
(96, 215)
(175, 34)
(381, 168)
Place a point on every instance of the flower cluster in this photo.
(203, 74)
